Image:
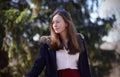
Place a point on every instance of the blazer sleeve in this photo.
(39, 62)
(83, 59)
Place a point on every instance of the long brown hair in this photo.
(56, 41)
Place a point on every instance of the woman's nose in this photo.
(55, 25)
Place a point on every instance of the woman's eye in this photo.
(57, 21)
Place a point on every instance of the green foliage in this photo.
(21, 27)
(22, 17)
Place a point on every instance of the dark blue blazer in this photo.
(47, 58)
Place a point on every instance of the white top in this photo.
(65, 60)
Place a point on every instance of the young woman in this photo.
(63, 53)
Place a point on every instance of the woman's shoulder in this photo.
(80, 36)
(44, 40)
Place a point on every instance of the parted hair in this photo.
(56, 42)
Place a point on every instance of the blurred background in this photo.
(23, 22)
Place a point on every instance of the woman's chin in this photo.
(57, 32)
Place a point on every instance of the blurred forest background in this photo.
(23, 22)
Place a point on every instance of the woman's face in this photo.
(59, 24)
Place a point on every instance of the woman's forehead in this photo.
(57, 17)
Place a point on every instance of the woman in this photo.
(63, 52)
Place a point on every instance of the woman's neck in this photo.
(64, 37)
